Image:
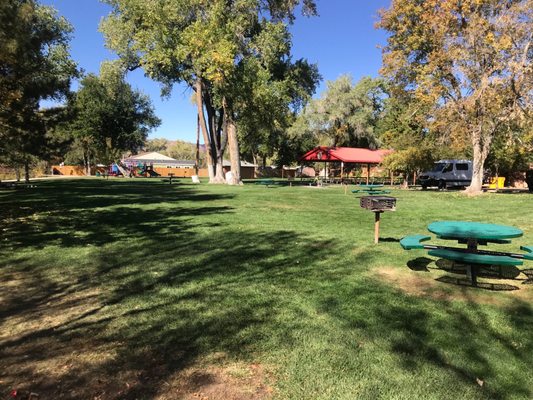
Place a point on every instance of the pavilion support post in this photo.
(367, 174)
(342, 169)
(376, 226)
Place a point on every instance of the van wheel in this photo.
(442, 185)
(424, 187)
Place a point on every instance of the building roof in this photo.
(151, 156)
(156, 158)
(345, 154)
(227, 163)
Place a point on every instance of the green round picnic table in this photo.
(473, 230)
(370, 186)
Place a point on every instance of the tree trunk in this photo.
(256, 165)
(87, 161)
(88, 171)
(234, 152)
(215, 124)
(481, 146)
(197, 163)
(219, 170)
(205, 133)
(17, 174)
(477, 171)
(27, 171)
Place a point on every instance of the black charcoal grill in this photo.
(378, 204)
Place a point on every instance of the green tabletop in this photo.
(370, 186)
(473, 230)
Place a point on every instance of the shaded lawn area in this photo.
(125, 289)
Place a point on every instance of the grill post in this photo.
(376, 226)
(378, 205)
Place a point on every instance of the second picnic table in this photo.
(473, 234)
(371, 189)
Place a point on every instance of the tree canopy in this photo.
(346, 114)
(468, 61)
(211, 46)
(34, 65)
(109, 117)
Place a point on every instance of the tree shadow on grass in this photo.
(129, 298)
(458, 347)
(91, 212)
(122, 314)
(155, 321)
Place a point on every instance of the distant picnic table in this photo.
(371, 189)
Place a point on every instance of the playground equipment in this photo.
(148, 170)
(123, 170)
(118, 168)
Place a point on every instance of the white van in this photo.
(448, 173)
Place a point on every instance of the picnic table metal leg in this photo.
(471, 269)
(471, 273)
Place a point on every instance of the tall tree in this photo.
(181, 150)
(202, 44)
(156, 144)
(34, 65)
(346, 114)
(109, 117)
(470, 60)
(403, 127)
(269, 98)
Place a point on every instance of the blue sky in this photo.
(342, 40)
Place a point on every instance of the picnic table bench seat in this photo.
(529, 252)
(473, 258)
(413, 242)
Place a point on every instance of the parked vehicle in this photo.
(448, 173)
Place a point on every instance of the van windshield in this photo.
(438, 167)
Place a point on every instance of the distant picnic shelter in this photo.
(345, 155)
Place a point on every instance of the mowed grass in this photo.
(135, 289)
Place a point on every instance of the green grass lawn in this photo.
(135, 289)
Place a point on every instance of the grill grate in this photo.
(378, 203)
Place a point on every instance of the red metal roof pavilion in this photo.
(345, 154)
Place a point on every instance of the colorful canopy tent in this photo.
(345, 155)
